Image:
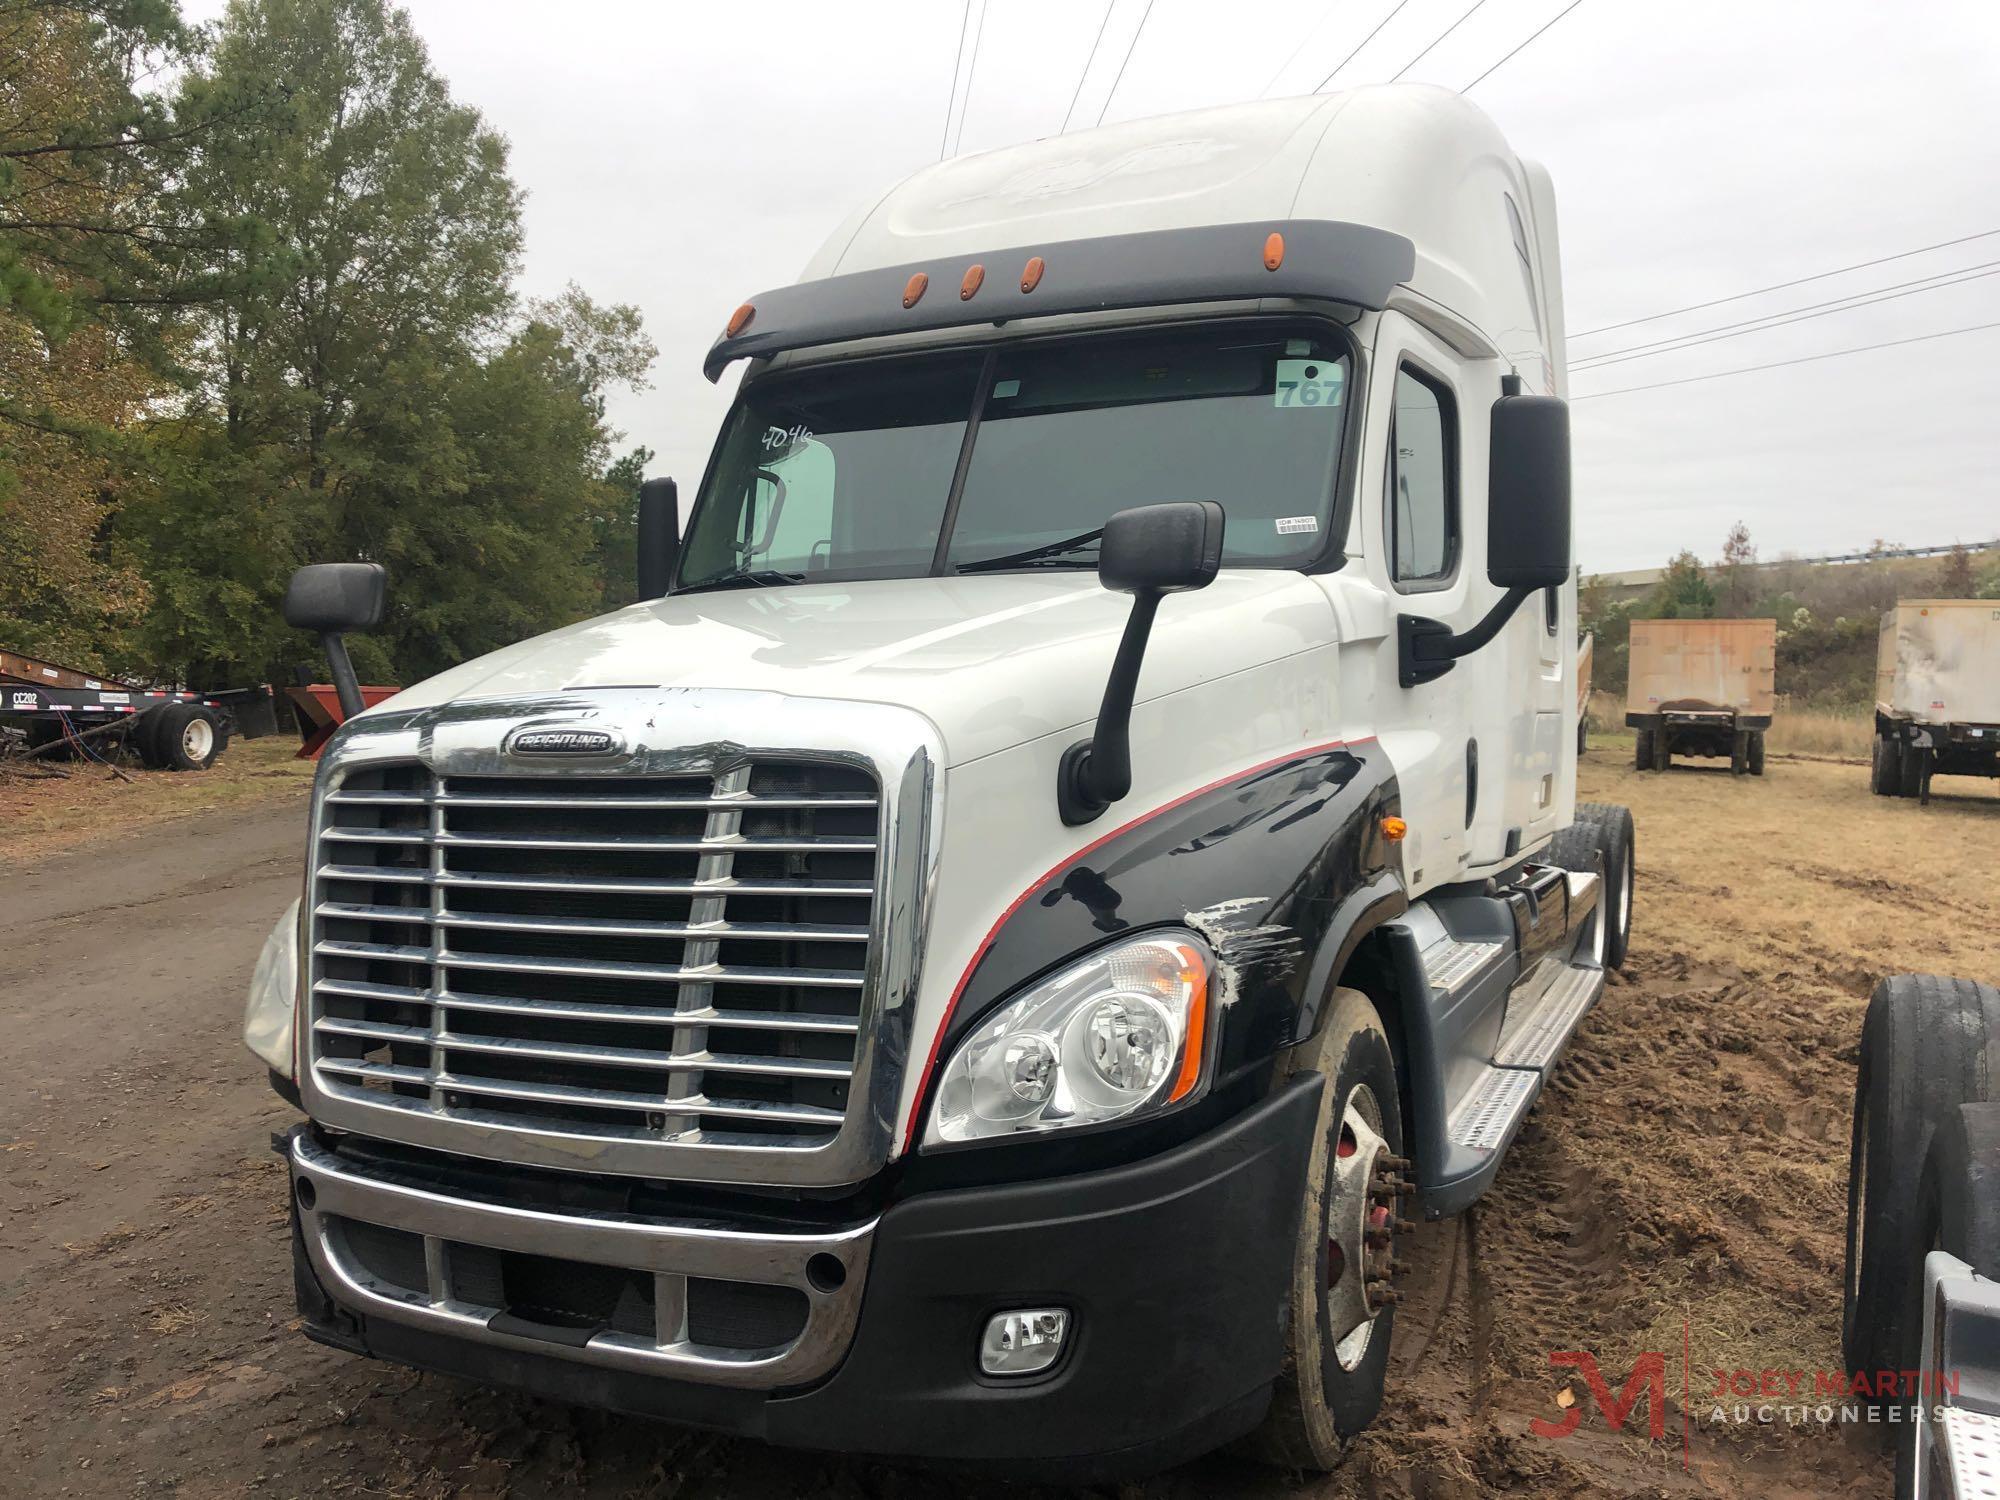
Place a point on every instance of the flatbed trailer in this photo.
(169, 729)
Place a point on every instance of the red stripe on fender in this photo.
(951, 1005)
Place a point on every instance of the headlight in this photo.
(274, 989)
(1119, 1034)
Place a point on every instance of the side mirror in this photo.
(1527, 493)
(659, 536)
(1148, 552)
(330, 599)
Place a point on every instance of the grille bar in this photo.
(680, 957)
(620, 1057)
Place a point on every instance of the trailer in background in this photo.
(181, 731)
(1701, 687)
(1937, 694)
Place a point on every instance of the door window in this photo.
(1423, 480)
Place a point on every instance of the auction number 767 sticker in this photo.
(1308, 382)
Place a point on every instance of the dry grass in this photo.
(48, 808)
(1844, 734)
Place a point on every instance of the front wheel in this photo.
(1343, 1311)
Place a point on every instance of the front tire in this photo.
(1343, 1314)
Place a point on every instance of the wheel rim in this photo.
(197, 739)
(1361, 1221)
(1625, 899)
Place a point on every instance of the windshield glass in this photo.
(857, 470)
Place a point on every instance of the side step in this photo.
(1487, 1117)
(1534, 1039)
(1450, 962)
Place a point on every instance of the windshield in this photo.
(962, 463)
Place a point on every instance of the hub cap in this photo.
(1363, 1188)
(197, 739)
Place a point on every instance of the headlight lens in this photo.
(274, 988)
(1119, 1034)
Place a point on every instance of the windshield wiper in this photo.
(1050, 554)
(763, 578)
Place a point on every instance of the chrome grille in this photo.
(659, 957)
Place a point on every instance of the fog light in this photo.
(1023, 1342)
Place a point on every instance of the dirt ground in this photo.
(1680, 1190)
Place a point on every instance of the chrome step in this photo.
(1487, 1116)
(1545, 1024)
(1450, 962)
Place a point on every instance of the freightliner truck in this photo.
(1074, 852)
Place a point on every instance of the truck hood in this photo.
(991, 661)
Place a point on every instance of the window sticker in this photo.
(1006, 388)
(1297, 525)
(1308, 382)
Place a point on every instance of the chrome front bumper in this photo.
(828, 1269)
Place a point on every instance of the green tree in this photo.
(1684, 593)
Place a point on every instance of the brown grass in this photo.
(48, 808)
(1843, 734)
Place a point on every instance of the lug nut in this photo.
(1403, 1226)
(1398, 1267)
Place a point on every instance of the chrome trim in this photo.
(671, 1251)
(669, 732)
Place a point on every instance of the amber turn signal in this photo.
(1274, 251)
(914, 288)
(1393, 829)
(1194, 974)
(974, 275)
(1031, 274)
(739, 320)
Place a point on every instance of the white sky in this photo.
(684, 156)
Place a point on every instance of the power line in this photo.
(1573, 4)
(1922, 338)
(1110, 6)
(1860, 265)
(958, 57)
(1360, 44)
(1130, 48)
(1797, 315)
(1440, 37)
(1311, 32)
(971, 72)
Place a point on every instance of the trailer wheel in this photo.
(1582, 734)
(1909, 771)
(1642, 750)
(1756, 752)
(1923, 1054)
(1884, 774)
(1342, 1313)
(189, 737)
(1663, 754)
(1739, 752)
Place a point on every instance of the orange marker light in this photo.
(1194, 975)
(914, 288)
(974, 275)
(1394, 829)
(1274, 251)
(739, 320)
(1031, 274)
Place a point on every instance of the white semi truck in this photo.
(1075, 847)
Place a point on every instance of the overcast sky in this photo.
(682, 156)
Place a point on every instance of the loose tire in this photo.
(1330, 1386)
(189, 737)
(1756, 759)
(1642, 750)
(1883, 773)
(1923, 1054)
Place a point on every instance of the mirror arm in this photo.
(1098, 771)
(346, 686)
(1427, 649)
